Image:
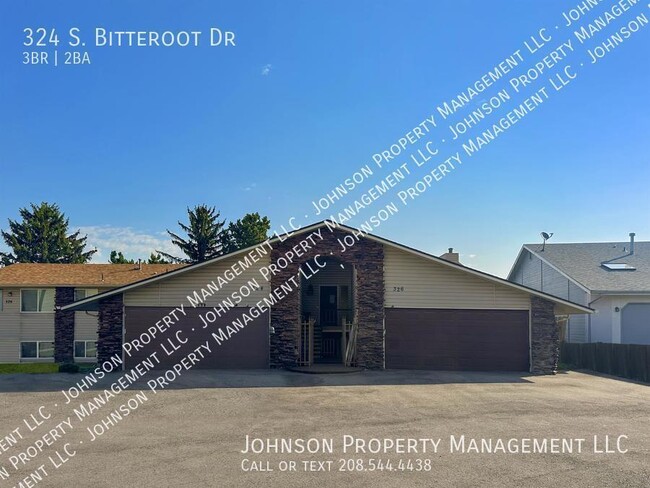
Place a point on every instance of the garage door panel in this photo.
(465, 340)
(248, 349)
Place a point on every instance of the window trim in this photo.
(86, 295)
(84, 358)
(36, 311)
(38, 351)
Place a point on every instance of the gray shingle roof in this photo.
(582, 262)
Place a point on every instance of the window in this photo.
(37, 300)
(81, 293)
(85, 349)
(36, 350)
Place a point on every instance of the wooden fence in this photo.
(626, 360)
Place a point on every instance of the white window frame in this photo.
(35, 311)
(85, 358)
(38, 351)
(94, 291)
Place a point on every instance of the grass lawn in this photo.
(29, 368)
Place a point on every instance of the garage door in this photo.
(635, 323)
(247, 349)
(457, 340)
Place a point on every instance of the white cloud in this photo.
(250, 187)
(132, 243)
(266, 69)
(471, 256)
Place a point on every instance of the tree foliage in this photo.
(42, 237)
(157, 259)
(118, 258)
(245, 232)
(204, 236)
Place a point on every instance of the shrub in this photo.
(68, 368)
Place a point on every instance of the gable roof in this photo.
(568, 307)
(582, 263)
(80, 275)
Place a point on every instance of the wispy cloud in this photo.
(471, 256)
(250, 187)
(132, 243)
(266, 69)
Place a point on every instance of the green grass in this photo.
(29, 368)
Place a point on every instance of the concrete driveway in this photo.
(192, 435)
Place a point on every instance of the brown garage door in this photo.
(247, 349)
(457, 340)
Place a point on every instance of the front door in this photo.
(331, 333)
(328, 306)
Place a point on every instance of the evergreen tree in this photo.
(157, 259)
(118, 258)
(42, 237)
(204, 236)
(245, 232)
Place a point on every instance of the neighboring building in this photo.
(613, 278)
(303, 299)
(29, 294)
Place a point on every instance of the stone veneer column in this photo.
(109, 328)
(545, 337)
(63, 326)
(368, 258)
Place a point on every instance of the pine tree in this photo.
(157, 259)
(118, 258)
(245, 232)
(204, 236)
(42, 237)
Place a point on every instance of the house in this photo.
(613, 278)
(29, 294)
(328, 293)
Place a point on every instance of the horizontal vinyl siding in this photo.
(9, 351)
(578, 328)
(37, 326)
(9, 326)
(173, 291)
(85, 326)
(428, 284)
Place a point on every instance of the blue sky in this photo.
(309, 93)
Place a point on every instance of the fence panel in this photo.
(625, 360)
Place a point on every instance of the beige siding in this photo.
(427, 284)
(173, 291)
(85, 326)
(9, 351)
(37, 326)
(9, 326)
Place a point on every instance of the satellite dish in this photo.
(546, 236)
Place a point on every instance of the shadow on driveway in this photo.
(261, 379)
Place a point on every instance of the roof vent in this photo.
(450, 255)
(632, 234)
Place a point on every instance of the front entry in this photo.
(329, 326)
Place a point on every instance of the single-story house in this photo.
(613, 278)
(30, 293)
(329, 293)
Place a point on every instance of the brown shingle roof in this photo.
(96, 275)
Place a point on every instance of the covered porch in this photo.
(328, 325)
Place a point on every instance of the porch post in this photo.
(109, 328)
(63, 326)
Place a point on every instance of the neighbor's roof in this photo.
(582, 263)
(565, 306)
(95, 275)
